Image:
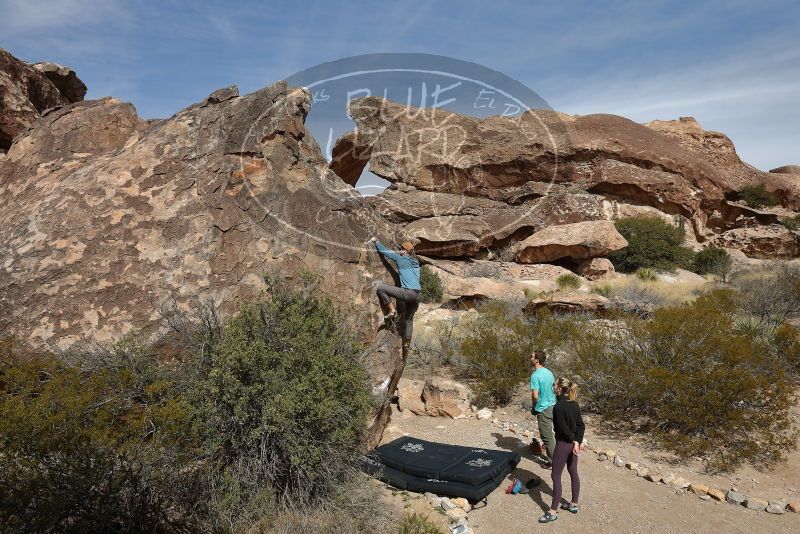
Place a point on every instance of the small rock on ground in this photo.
(793, 506)
(484, 414)
(734, 497)
(775, 508)
(699, 489)
(717, 495)
(756, 504)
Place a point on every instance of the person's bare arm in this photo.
(534, 398)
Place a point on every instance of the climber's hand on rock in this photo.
(372, 239)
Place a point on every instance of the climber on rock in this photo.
(408, 292)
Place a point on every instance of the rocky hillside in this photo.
(477, 188)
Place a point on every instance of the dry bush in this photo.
(769, 295)
(690, 381)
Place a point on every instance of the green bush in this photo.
(100, 447)
(568, 281)
(756, 196)
(792, 223)
(652, 243)
(691, 382)
(496, 353)
(646, 274)
(431, 286)
(713, 260)
(415, 523)
(283, 403)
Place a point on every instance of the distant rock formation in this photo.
(468, 187)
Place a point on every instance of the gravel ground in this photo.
(613, 499)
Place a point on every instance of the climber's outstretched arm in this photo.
(385, 251)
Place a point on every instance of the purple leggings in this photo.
(563, 456)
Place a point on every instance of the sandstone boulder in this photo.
(575, 302)
(409, 396)
(446, 398)
(597, 269)
(467, 292)
(773, 241)
(577, 241)
(106, 219)
(24, 94)
(64, 78)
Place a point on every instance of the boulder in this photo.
(716, 494)
(577, 241)
(469, 291)
(699, 489)
(106, 220)
(64, 78)
(446, 398)
(575, 302)
(409, 396)
(25, 93)
(773, 241)
(597, 269)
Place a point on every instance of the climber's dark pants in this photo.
(409, 297)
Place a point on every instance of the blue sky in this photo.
(733, 65)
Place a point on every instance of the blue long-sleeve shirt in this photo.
(407, 267)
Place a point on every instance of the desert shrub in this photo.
(485, 269)
(646, 274)
(786, 343)
(791, 223)
(101, 448)
(652, 243)
(604, 290)
(283, 403)
(769, 295)
(496, 352)
(437, 347)
(756, 196)
(431, 286)
(568, 281)
(713, 260)
(689, 380)
(415, 523)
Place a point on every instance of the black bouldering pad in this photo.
(419, 465)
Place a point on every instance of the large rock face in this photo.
(472, 187)
(435, 150)
(25, 93)
(105, 218)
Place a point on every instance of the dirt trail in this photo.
(613, 499)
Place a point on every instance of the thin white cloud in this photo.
(25, 16)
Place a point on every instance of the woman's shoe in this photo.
(571, 508)
(548, 518)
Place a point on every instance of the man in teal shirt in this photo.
(543, 398)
